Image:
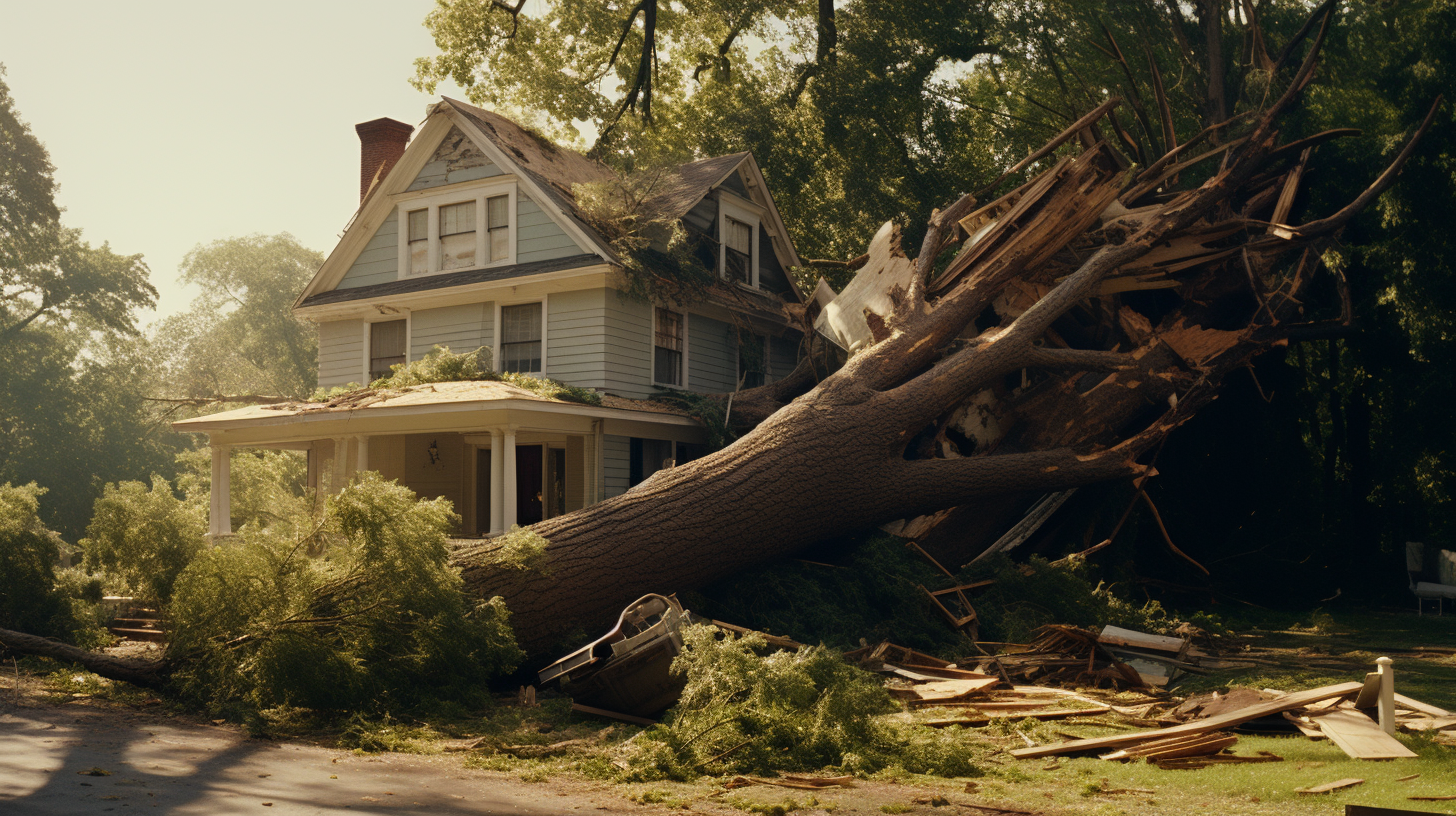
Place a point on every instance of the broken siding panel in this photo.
(456, 159)
(340, 353)
(712, 355)
(704, 216)
(627, 336)
(462, 328)
(379, 262)
(574, 325)
(616, 464)
(771, 275)
(783, 357)
(538, 238)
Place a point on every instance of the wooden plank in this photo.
(1330, 786)
(1060, 714)
(1115, 636)
(943, 691)
(1429, 723)
(1203, 748)
(1370, 692)
(1254, 712)
(612, 715)
(1424, 708)
(1360, 737)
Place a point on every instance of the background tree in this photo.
(73, 413)
(240, 341)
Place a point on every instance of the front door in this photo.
(529, 484)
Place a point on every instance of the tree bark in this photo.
(146, 673)
(867, 444)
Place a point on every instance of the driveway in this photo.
(71, 759)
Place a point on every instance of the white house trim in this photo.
(587, 277)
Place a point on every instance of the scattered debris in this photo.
(1176, 747)
(796, 782)
(1359, 736)
(1330, 786)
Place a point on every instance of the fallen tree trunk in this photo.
(147, 673)
(1055, 261)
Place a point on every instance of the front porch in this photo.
(502, 455)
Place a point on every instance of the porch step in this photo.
(139, 624)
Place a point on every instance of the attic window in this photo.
(457, 235)
(738, 251)
(738, 236)
(458, 230)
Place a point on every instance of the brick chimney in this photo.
(381, 143)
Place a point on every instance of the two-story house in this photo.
(470, 235)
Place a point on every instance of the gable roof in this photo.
(554, 169)
(682, 188)
(546, 171)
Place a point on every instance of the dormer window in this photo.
(738, 251)
(738, 230)
(446, 232)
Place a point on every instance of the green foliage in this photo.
(438, 365)
(240, 336)
(1030, 595)
(872, 592)
(368, 735)
(660, 262)
(145, 535)
(442, 365)
(705, 408)
(745, 712)
(266, 486)
(377, 619)
(30, 598)
(522, 549)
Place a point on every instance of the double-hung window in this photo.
(520, 346)
(752, 360)
(386, 347)
(667, 348)
(461, 230)
(737, 251)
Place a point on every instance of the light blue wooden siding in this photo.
(340, 353)
(538, 238)
(597, 339)
(627, 337)
(462, 328)
(783, 357)
(712, 355)
(616, 464)
(379, 262)
(576, 351)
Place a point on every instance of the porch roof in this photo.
(474, 396)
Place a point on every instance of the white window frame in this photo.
(496, 332)
(433, 203)
(739, 209)
(409, 340)
(652, 337)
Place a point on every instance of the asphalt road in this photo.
(74, 760)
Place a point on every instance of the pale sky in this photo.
(173, 123)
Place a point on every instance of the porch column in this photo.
(363, 457)
(339, 470)
(221, 521)
(508, 452)
(497, 482)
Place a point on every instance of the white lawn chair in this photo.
(1415, 566)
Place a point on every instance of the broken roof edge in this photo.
(453, 395)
